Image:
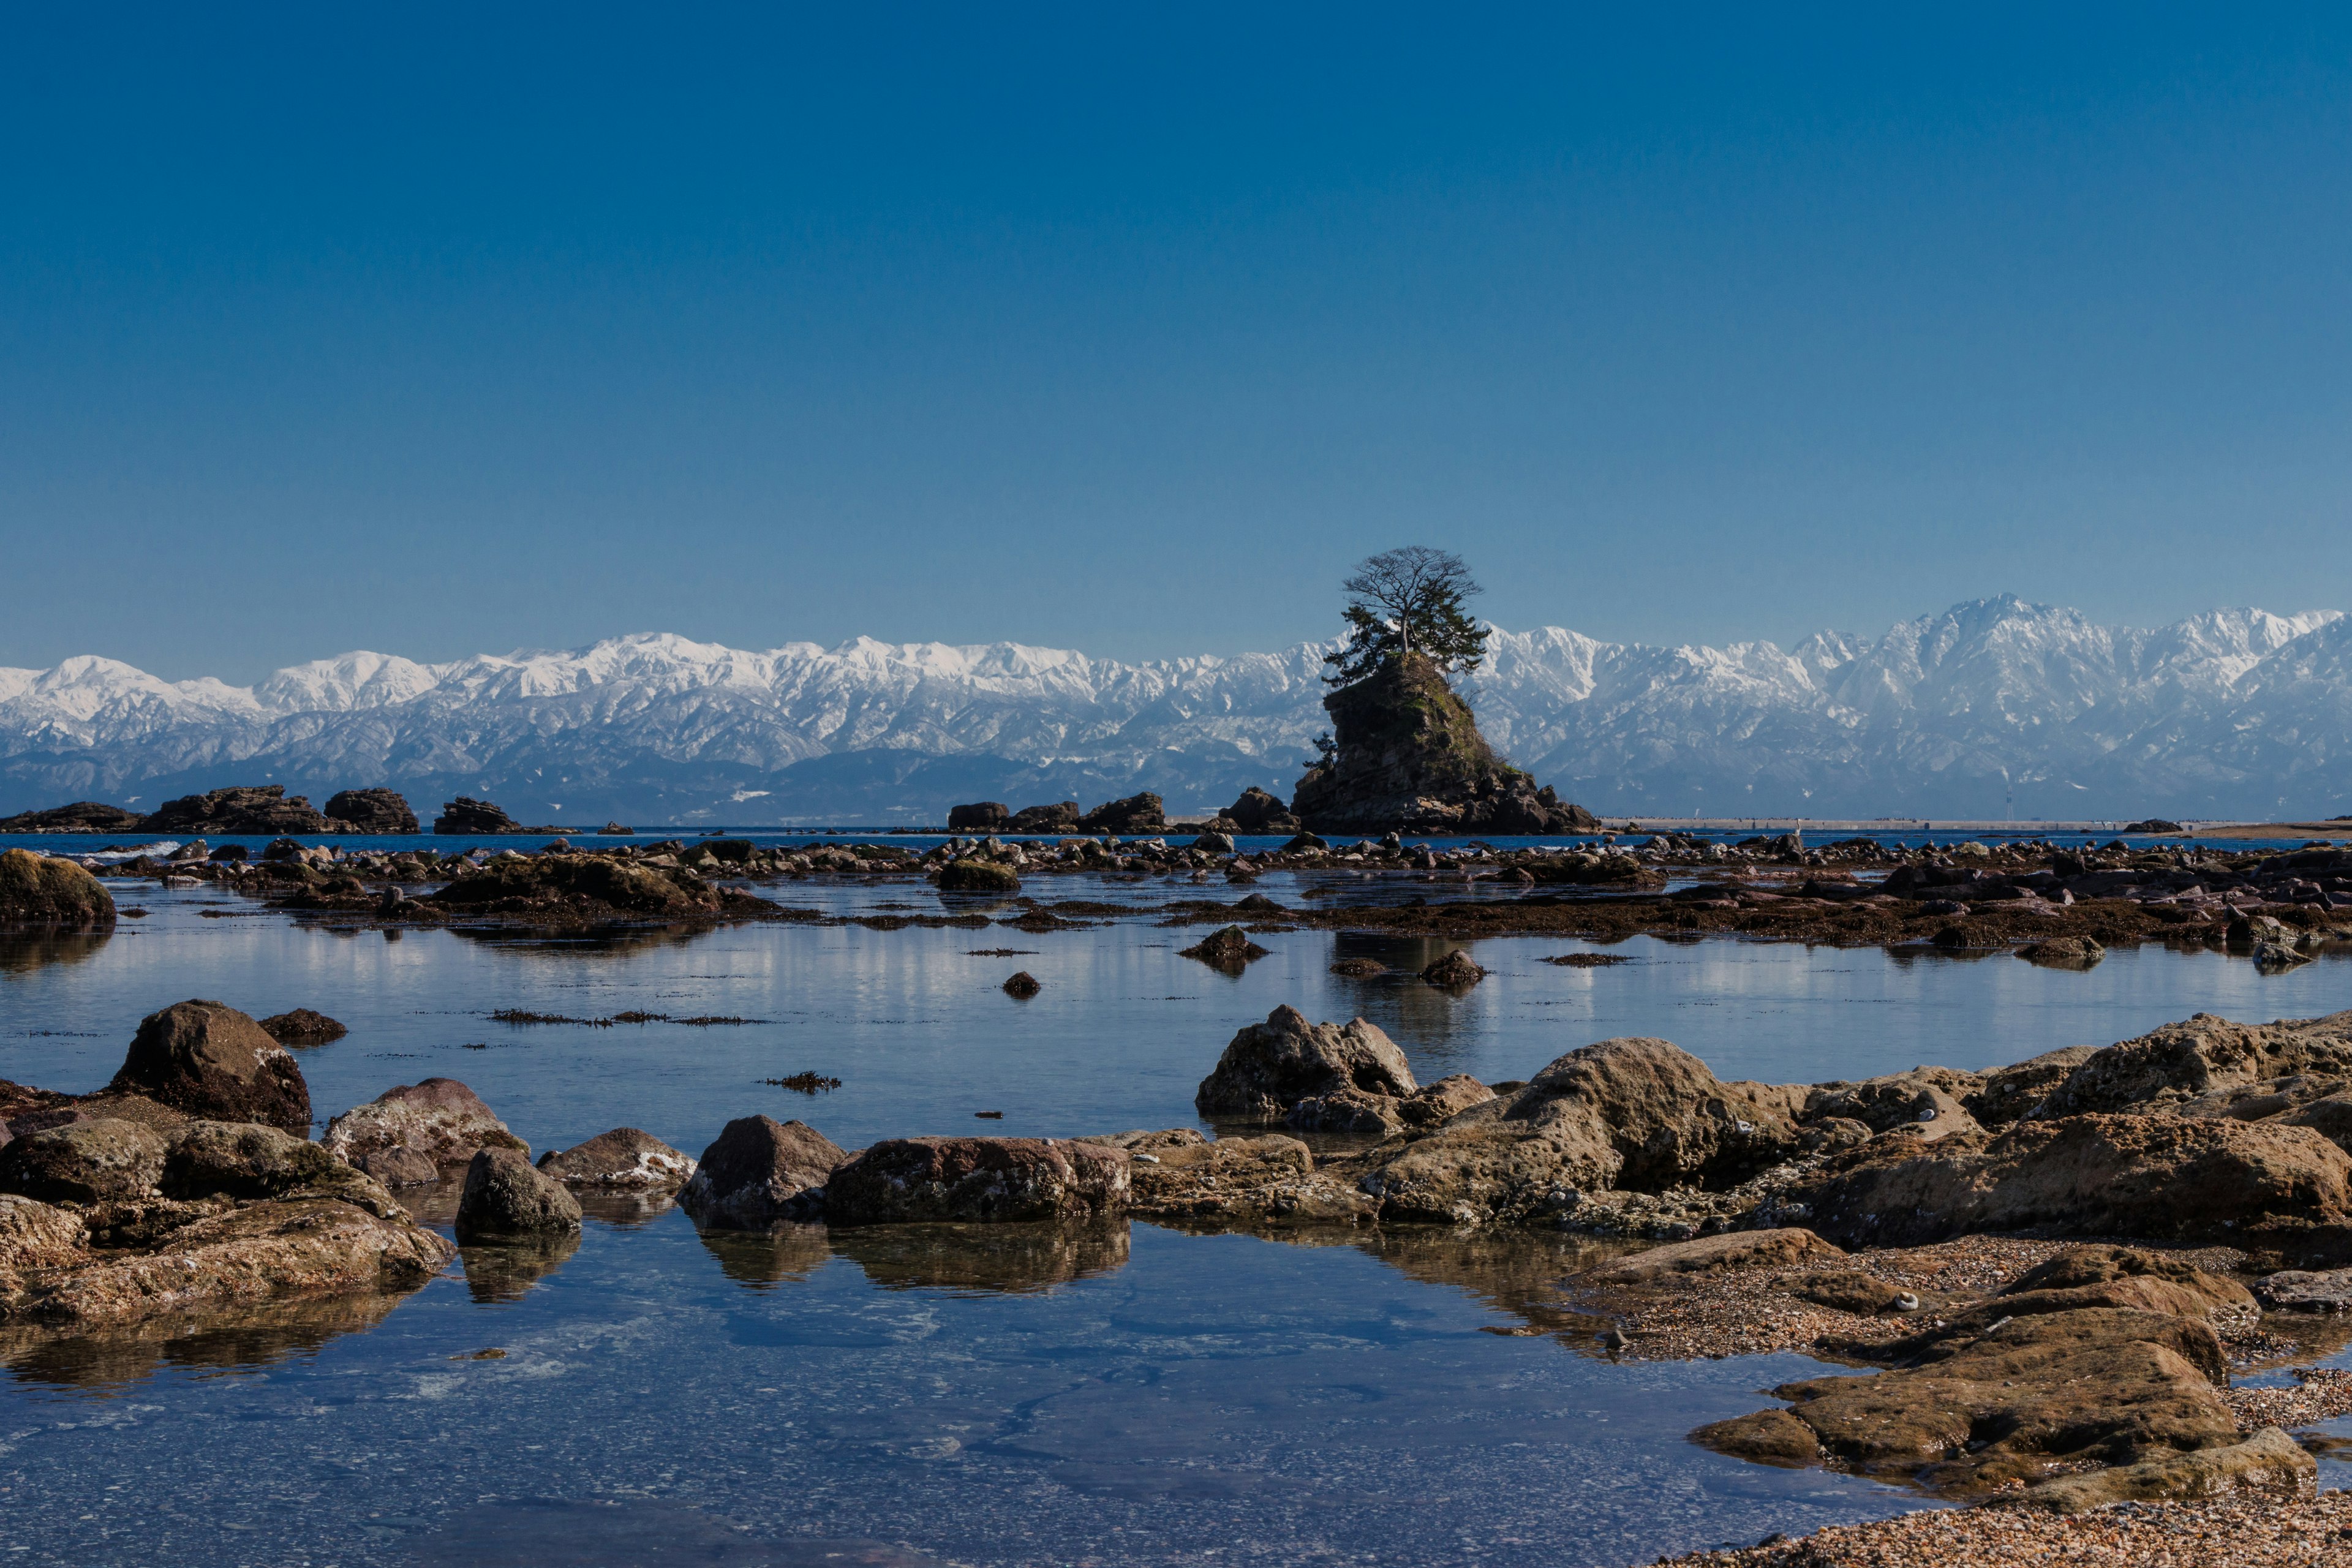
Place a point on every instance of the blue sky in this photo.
(435, 330)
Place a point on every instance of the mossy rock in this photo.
(978, 877)
(45, 891)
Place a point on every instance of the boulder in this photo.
(1022, 985)
(371, 811)
(465, 815)
(906, 1180)
(505, 1196)
(207, 1059)
(1435, 1103)
(302, 1028)
(81, 816)
(2307, 1290)
(2182, 1062)
(2161, 1177)
(981, 816)
(1269, 1068)
(439, 1121)
(2270, 1463)
(86, 1162)
(299, 1245)
(399, 1167)
(759, 1171)
(1136, 814)
(625, 1157)
(1177, 1174)
(1346, 1112)
(35, 1235)
(242, 809)
(1060, 818)
(2063, 953)
(244, 1160)
(1455, 971)
(43, 891)
(1258, 811)
(978, 877)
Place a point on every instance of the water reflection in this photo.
(766, 1258)
(600, 941)
(982, 1259)
(23, 951)
(239, 1338)
(505, 1273)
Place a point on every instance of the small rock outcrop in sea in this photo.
(1228, 948)
(1259, 811)
(81, 816)
(978, 877)
(1456, 972)
(1136, 813)
(2063, 953)
(1408, 757)
(506, 1197)
(625, 1159)
(759, 1172)
(465, 814)
(1060, 817)
(980, 816)
(406, 1134)
(52, 894)
(242, 808)
(302, 1026)
(206, 1058)
(371, 811)
(587, 888)
(912, 1180)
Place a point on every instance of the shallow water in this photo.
(1136, 1395)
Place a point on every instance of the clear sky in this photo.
(445, 329)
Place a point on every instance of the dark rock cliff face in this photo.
(1410, 758)
(81, 816)
(245, 809)
(372, 811)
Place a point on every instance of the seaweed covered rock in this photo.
(52, 894)
(1268, 1068)
(912, 1180)
(507, 1197)
(624, 1158)
(371, 811)
(240, 809)
(978, 877)
(207, 1059)
(759, 1171)
(1408, 757)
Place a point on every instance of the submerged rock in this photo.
(1269, 1068)
(207, 1059)
(49, 893)
(625, 1157)
(759, 1171)
(904, 1180)
(1229, 949)
(1022, 985)
(302, 1028)
(2063, 953)
(506, 1196)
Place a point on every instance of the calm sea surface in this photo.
(994, 1395)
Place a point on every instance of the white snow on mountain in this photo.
(1989, 706)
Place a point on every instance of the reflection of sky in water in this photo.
(1014, 1396)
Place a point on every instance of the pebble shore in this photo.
(2224, 1534)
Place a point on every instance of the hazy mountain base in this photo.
(1991, 706)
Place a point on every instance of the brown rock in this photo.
(505, 1196)
(2161, 1177)
(1266, 1180)
(1706, 1254)
(759, 1171)
(2307, 1290)
(2063, 953)
(207, 1059)
(1136, 814)
(399, 1167)
(302, 1028)
(923, 1178)
(34, 1235)
(625, 1157)
(2182, 1062)
(83, 1161)
(2269, 1463)
(1229, 949)
(2007, 1094)
(1455, 971)
(245, 1160)
(371, 811)
(1271, 1067)
(439, 1121)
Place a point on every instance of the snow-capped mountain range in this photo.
(1988, 707)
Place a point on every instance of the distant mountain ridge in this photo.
(1992, 705)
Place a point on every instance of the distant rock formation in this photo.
(81, 816)
(241, 808)
(1409, 758)
(1060, 818)
(467, 815)
(371, 811)
(1136, 813)
(980, 816)
(1258, 811)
